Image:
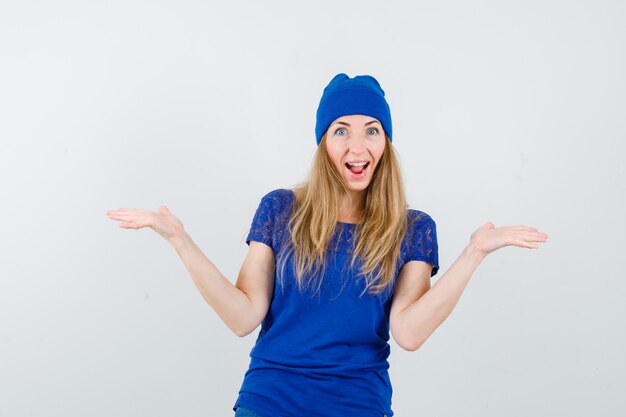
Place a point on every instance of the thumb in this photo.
(164, 210)
(489, 225)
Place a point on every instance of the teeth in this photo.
(357, 164)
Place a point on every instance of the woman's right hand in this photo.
(163, 221)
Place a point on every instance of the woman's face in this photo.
(355, 138)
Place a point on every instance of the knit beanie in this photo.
(345, 96)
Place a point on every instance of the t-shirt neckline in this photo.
(347, 224)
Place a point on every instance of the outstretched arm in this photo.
(242, 306)
(413, 324)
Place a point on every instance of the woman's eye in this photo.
(341, 129)
(373, 129)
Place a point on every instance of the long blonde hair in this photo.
(314, 217)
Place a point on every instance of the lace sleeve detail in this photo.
(423, 241)
(263, 228)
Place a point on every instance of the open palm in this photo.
(163, 221)
(489, 238)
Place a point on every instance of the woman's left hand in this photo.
(489, 238)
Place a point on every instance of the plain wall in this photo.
(510, 112)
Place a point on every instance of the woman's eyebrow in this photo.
(348, 124)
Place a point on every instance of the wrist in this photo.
(474, 254)
(179, 238)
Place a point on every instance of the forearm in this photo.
(228, 301)
(422, 317)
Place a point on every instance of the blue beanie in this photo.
(344, 96)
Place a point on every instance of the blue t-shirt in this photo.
(325, 354)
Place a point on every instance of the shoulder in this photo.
(421, 239)
(279, 194)
(277, 203)
(417, 218)
(278, 198)
(421, 228)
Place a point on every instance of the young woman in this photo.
(334, 266)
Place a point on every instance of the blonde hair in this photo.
(314, 217)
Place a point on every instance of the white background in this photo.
(510, 112)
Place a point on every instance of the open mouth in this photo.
(358, 171)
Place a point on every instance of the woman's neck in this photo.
(352, 211)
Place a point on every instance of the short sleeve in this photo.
(262, 228)
(423, 241)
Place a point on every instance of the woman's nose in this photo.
(357, 143)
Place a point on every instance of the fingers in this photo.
(130, 226)
(124, 217)
(532, 234)
(527, 232)
(521, 227)
(126, 210)
(522, 243)
(133, 219)
(525, 240)
(127, 213)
